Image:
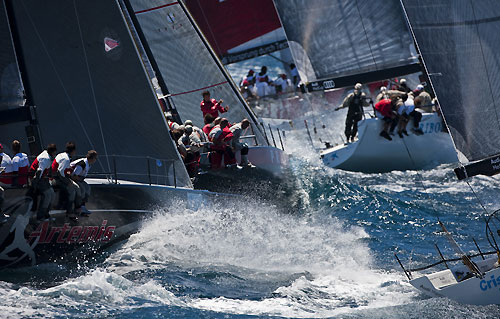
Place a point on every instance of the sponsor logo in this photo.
(489, 284)
(72, 234)
(330, 84)
(110, 44)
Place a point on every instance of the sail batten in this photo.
(459, 43)
(332, 39)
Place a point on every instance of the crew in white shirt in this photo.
(80, 169)
(41, 170)
(62, 170)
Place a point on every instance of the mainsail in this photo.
(339, 38)
(11, 90)
(89, 85)
(459, 43)
(186, 62)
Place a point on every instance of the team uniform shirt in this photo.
(237, 131)
(184, 139)
(211, 107)
(80, 167)
(6, 164)
(42, 163)
(62, 164)
(384, 107)
(20, 165)
(173, 125)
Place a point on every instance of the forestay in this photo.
(187, 64)
(459, 43)
(11, 90)
(89, 85)
(337, 38)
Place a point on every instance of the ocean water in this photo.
(333, 259)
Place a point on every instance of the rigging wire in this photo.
(92, 86)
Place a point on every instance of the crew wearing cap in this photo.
(355, 102)
(197, 131)
(423, 100)
(403, 86)
(382, 95)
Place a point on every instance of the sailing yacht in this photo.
(186, 66)
(458, 41)
(336, 44)
(84, 81)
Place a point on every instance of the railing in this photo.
(133, 168)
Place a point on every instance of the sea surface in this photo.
(334, 258)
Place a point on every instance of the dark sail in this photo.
(11, 90)
(338, 38)
(186, 62)
(459, 43)
(90, 86)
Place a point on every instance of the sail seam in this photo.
(196, 90)
(92, 86)
(366, 35)
(156, 8)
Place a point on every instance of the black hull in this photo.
(117, 212)
(254, 183)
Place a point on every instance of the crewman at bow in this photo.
(355, 102)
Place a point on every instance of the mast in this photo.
(28, 111)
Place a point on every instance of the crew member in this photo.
(423, 100)
(20, 165)
(382, 95)
(172, 124)
(5, 168)
(62, 170)
(295, 76)
(219, 136)
(80, 168)
(355, 101)
(403, 86)
(211, 106)
(237, 129)
(41, 171)
(384, 111)
(262, 82)
(198, 131)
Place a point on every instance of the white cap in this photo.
(188, 123)
(358, 86)
(402, 81)
(383, 89)
(420, 87)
